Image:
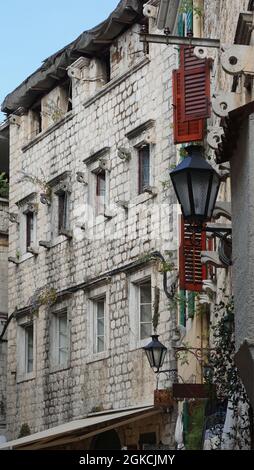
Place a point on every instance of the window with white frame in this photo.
(143, 168)
(98, 323)
(140, 307)
(59, 339)
(145, 309)
(99, 326)
(25, 349)
(29, 348)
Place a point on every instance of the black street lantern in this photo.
(155, 352)
(196, 184)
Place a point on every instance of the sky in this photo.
(31, 31)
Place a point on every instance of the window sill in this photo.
(58, 240)
(98, 357)
(48, 131)
(141, 198)
(26, 377)
(56, 369)
(25, 257)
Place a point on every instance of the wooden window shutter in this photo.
(191, 271)
(189, 131)
(195, 86)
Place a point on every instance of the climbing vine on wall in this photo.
(224, 371)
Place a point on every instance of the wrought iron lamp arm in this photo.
(168, 372)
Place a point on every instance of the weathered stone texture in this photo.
(123, 378)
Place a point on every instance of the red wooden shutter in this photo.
(195, 86)
(184, 131)
(191, 271)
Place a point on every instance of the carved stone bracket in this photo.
(212, 257)
(222, 209)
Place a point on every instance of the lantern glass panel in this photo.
(200, 185)
(213, 195)
(182, 192)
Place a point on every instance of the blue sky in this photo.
(31, 31)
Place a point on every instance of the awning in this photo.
(80, 429)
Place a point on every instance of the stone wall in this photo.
(3, 307)
(102, 117)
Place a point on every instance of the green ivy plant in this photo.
(43, 296)
(222, 363)
(41, 182)
(187, 6)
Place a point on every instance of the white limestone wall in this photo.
(123, 377)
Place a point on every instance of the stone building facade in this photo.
(4, 221)
(89, 160)
(90, 148)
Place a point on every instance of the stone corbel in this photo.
(45, 244)
(14, 218)
(148, 138)
(214, 137)
(211, 257)
(202, 52)
(108, 214)
(81, 177)
(15, 120)
(222, 209)
(124, 153)
(104, 164)
(224, 103)
(204, 299)
(45, 199)
(209, 286)
(238, 59)
(34, 250)
(152, 190)
(123, 204)
(32, 207)
(66, 233)
(75, 70)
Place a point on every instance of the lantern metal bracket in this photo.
(171, 373)
(198, 353)
(178, 41)
(219, 231)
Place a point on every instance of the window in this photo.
(37, 120)
(62, 211)
(60, 339)
(26, 348)
(145, 309)
(100, 192)
(29, 348)
(30, 234)
(99, 326)
(143, 168)
(141, 299)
